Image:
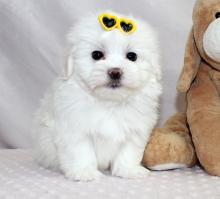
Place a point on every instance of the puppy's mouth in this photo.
(114, 84)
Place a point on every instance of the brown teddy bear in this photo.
(171, 146)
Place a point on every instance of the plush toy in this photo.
(171, 145)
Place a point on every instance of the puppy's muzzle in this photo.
(115, 75)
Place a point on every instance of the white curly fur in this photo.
(83, 126)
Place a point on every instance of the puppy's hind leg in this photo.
(45, 152)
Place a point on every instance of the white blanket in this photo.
(22, 178)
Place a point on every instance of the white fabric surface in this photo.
(32, 42)
(21, 178)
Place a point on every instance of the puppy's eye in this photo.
(131, 56)
(97, 55)
(217, 15)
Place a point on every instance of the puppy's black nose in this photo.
(115, 73)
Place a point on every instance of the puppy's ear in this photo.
(158, 69)
(192, 61)
(156, 63)
(69, 67)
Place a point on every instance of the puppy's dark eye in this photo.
(217, 15)
(97, 55)
(131, 56)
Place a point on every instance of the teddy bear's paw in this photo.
(132, 172)
(168, 166)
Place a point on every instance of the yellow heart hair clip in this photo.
(110, 22)
(126, 26)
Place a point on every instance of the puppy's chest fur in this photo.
(101, 120)
(109, 125)
(107, 129)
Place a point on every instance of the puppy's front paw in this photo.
(86, 174)
(132, 172)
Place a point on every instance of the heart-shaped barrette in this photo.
(110, 22)
(127, 25)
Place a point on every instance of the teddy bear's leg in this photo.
(203, 115)
(170, 147)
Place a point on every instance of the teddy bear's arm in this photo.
(203, 116)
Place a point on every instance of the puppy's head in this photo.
(112, 64)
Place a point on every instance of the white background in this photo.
(32, 42)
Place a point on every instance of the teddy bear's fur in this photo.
(200, 80)
(170, 146)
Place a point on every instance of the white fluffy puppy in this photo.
(100, 116)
